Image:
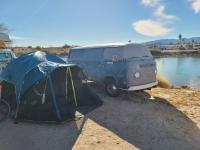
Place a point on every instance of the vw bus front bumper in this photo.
(141, 87)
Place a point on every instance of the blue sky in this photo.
(80, 22)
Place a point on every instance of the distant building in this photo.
(167, 47)
(196, 46)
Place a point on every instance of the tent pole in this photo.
(54, 97)
(18, 102)
(17, 109)
(66, 83)
(73, 88)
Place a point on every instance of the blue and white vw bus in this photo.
(118, 66)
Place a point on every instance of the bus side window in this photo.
(95, 54)
(113, 54)
(77, 54)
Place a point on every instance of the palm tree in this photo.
(193, 43)
(180, 41)
(180, 38)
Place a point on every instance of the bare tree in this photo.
(3, 28)
(66, 46)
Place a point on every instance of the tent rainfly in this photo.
(46, 88)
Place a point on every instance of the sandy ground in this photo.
(158, 119)
(185, 100)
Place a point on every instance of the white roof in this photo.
(4, 37)
(105, 45)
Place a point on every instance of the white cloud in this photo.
(159, 25)
(151, 3)
(151, 28)
(13, 37)
(159, 9)
(160, 12)
(196, 6)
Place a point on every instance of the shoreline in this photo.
(183, 87)
(175, 53)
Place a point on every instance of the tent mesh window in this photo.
(32, 106)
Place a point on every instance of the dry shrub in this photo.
(163, 82)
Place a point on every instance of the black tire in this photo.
(111, 89)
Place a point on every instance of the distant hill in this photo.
(173, 41)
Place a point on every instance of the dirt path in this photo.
(164, 119)
(139, 121)
(185, 100)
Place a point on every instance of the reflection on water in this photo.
(180, 71)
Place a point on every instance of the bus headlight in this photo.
(137, 75)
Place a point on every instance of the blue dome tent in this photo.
(46, 88)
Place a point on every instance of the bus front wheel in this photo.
(111, 89)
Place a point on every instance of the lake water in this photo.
(183, 71)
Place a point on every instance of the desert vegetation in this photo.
(61, 51)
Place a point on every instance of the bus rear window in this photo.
(76, 54)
